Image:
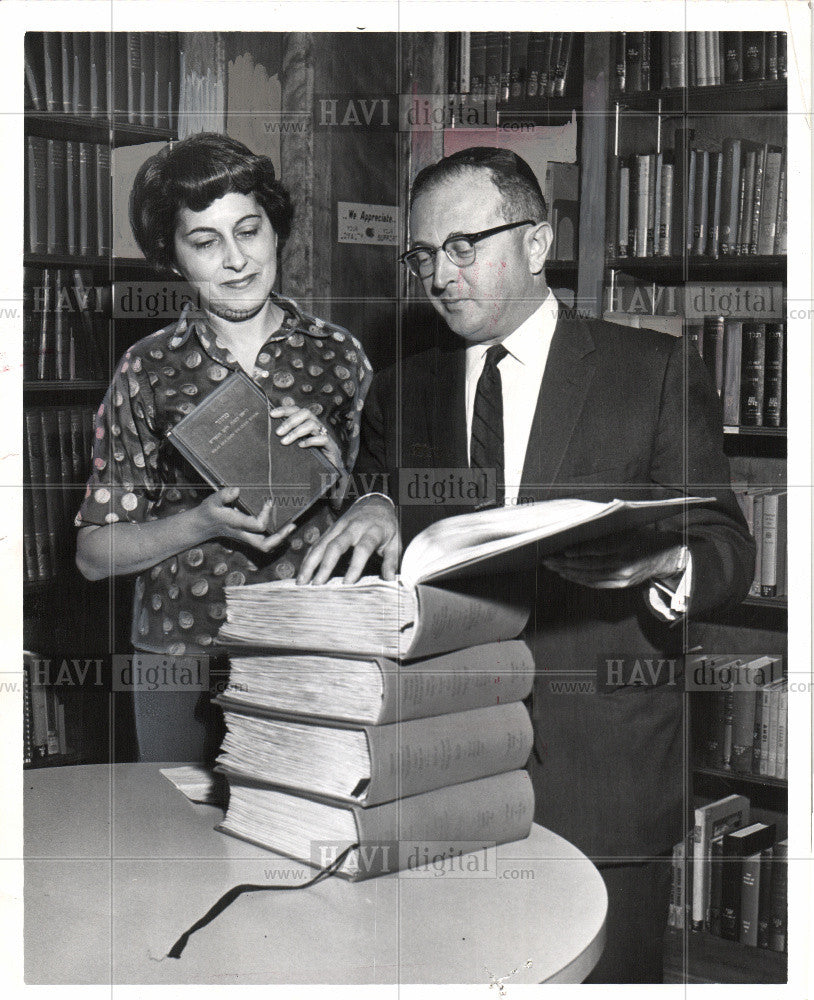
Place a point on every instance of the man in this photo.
(581, 408)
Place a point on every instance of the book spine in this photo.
(646, 59)
(620, 61)
(612, 207)
(713, 921)
(733, 57)
(764, 898)
(623, 234)
(771, 55)
(561, 71)
(780, 224)
(767, 225)
(714, 225)
(681, 200)
(35, 89)
(492, 810)
(753, 373)
(757, 732)
(730, 893)
(745, 211)
(778, 904)
(554, 62)
(754, 55)
(71, 190)
(754, 229)
(750, 894)
(103, 207)
(642, 205)
(768, 569)
(701, 202)
(133, 77)
(781, 762)
(536, 48)
(476, 677)
(754, 590)
(730, 188)
(408, 758)
(633, 62)
(655, 204)
(66, 70)
(733, 336)
(774, 730)
(714, 333)
(666, 212)
(57, 239)
(52, 66)
(782, 50)
(36, 200)
(765, 696)
(519, 65)
(743, 731)
(87, 200)
(477, 86)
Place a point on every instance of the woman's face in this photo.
(228, 253)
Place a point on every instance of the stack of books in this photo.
(388, 714)
(510, 65)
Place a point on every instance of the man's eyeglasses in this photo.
(459, 249)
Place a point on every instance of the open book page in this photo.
(448, 547)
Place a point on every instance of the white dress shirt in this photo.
(521, 373)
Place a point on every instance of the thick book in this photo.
(446, 822)
(380, 690)
(230, 439)
(731, 395)
(773, 545)
(739, 845)
(754, 55)
(712, 821)
(518, 65)
(753, 368)
(730, 191)
(36, 188)
(733, 56)
(752, 675)
(750, 896)
(56, 183)
(778, 899)
(774, 375)
(714, 344)
(369, 765)
(414, 616)
(764, 918)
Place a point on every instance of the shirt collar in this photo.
(528, 342)
(194, 321)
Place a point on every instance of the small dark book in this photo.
(737, 846)
(230, 439)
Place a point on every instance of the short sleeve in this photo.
(124, 480)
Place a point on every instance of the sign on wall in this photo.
(376, 225)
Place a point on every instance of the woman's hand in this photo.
(223, 520)
(308, 431)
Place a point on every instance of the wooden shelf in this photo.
(711, 959)
(778, 432)
(95, 262)
(736, 777)
(66, 385)
(747, 97)
(673, 270)
(87, 128)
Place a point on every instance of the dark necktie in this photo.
(486, 444)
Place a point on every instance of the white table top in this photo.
(119, 864)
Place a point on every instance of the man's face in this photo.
(486, 301)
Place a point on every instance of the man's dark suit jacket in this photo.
(621, 413)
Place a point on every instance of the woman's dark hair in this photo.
(192, 174)
(511, 175)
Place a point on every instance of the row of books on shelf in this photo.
(56, 460)
(766, 512)
(697, 201)
(746, 360)
(730, 877)
(68, 208)
(65, 335)
(44, 729)
(660, 60)
(740, 714)
(133, 75)
(510, 65)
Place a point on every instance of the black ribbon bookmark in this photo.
(229, 897)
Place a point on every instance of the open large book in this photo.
(453, 589)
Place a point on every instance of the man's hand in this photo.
(619, 561)
(369, 526)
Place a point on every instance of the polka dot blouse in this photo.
(138, 475)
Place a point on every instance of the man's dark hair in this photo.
(511, 175)
(192, 174)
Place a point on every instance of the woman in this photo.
(213, 212)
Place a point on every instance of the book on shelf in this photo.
(392, 836)
(80, 73)
(711, 822)
(230, 439)
(778, 898)
(645, 61)
(738, 846)
(56, 464)
(369, 765)
(380, 690)
(504, 66)
(44, 728)
(433, 607)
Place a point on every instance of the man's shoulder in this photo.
(616, 347)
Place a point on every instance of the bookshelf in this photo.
(86, 94)
(684, 126)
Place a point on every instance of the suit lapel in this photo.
(566, 380)
(447, 429)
